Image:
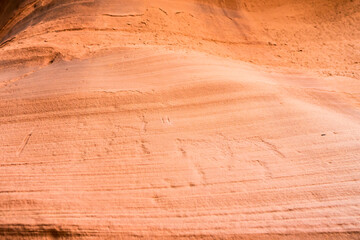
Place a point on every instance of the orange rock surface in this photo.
(181, 119)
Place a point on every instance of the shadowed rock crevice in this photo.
(34, 231)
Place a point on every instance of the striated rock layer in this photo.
(197, 119)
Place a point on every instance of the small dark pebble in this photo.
(323, 134)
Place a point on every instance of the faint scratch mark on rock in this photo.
(123, 15)
(183, 152)
(269, 146)
(24, 143)
(181, 148)
(144, 148)
(9, 82)
(163, 11)
(266, 168)
(166, 120)
(194, 167)
(145, 123)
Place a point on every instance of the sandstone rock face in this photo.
(181, 119)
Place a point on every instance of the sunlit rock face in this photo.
(181, 119)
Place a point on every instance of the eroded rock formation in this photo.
(180, 119)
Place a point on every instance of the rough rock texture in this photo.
(197, 119)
